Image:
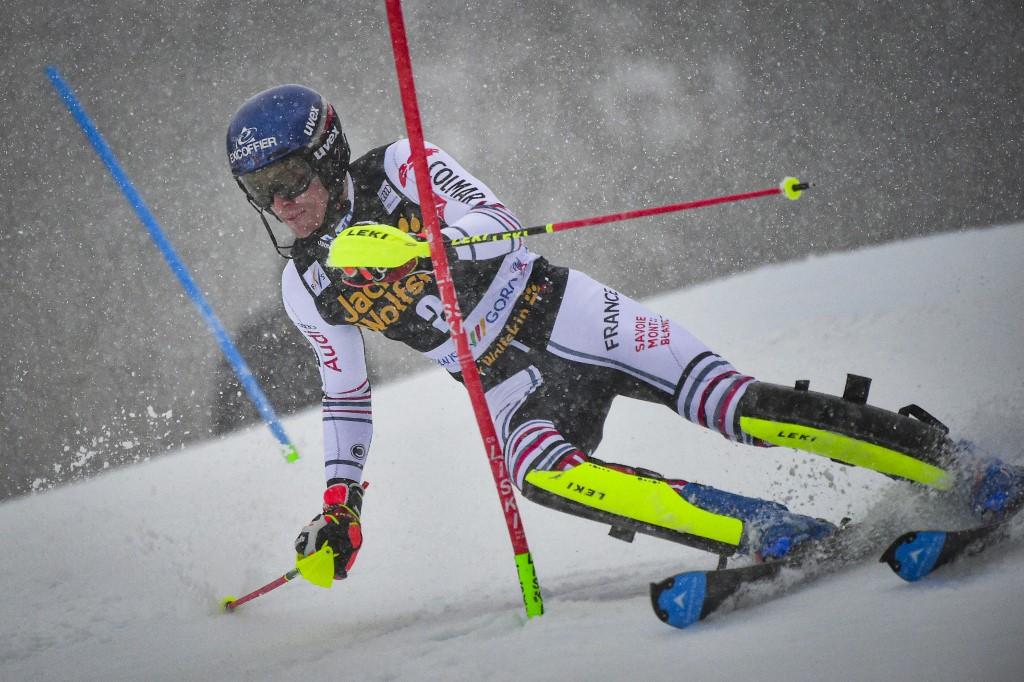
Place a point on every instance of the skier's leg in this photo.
(848, 430)
(653, 358)
(910, 444)
(549, 428)
(656, 359)
(630, 350)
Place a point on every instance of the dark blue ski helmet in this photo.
(284, 121)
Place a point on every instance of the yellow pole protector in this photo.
(635, 497)
(374, 246)
(846, 449)
(318, 567)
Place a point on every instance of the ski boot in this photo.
(988, 487)
(635, 500)
(770, 530)
(776, 534)
(996, 489)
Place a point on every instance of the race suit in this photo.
(553, 346)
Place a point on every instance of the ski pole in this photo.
(366, 247)
(317, 568)
(231, 603)
(790, 187)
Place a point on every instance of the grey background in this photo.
(906, 115)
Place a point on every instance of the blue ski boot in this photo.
(996, 489)
(989, 487)
(775, 535)
(770, 530)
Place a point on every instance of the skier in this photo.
(553, 346)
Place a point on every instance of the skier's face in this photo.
(303, 213)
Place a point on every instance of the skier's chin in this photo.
(301, 224)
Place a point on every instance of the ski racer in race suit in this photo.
(552, 345)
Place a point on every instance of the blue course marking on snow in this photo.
(917, 558)
(227, 347)
(684, 599)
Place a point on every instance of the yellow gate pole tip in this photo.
(226, 602)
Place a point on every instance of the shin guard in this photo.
(633, 503)
(910, 444)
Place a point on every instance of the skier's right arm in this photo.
(347, 425)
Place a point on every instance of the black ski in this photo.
(917, 554)
(692, 596)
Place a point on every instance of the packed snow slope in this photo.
(119, 577)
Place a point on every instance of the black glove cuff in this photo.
(353, 495)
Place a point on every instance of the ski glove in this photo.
(338, 526)
(361, 278)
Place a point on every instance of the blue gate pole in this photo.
(177, 266)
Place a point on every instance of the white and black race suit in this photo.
(553, 346)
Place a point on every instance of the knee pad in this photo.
(908, 444)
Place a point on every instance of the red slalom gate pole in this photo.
(532, 599)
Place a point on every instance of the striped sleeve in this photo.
(348, 427)
(346, 405)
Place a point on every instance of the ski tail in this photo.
(917, 554)
(914, 555)
(692, 596)
(689, 597)
(679, 601)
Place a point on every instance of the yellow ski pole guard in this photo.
(375, 246)
(318, 567)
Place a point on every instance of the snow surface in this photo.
(119, 577)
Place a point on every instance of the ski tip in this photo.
(678, 601)
(914, 555)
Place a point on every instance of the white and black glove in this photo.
(338, 526)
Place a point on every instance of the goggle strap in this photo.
(282, 251)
